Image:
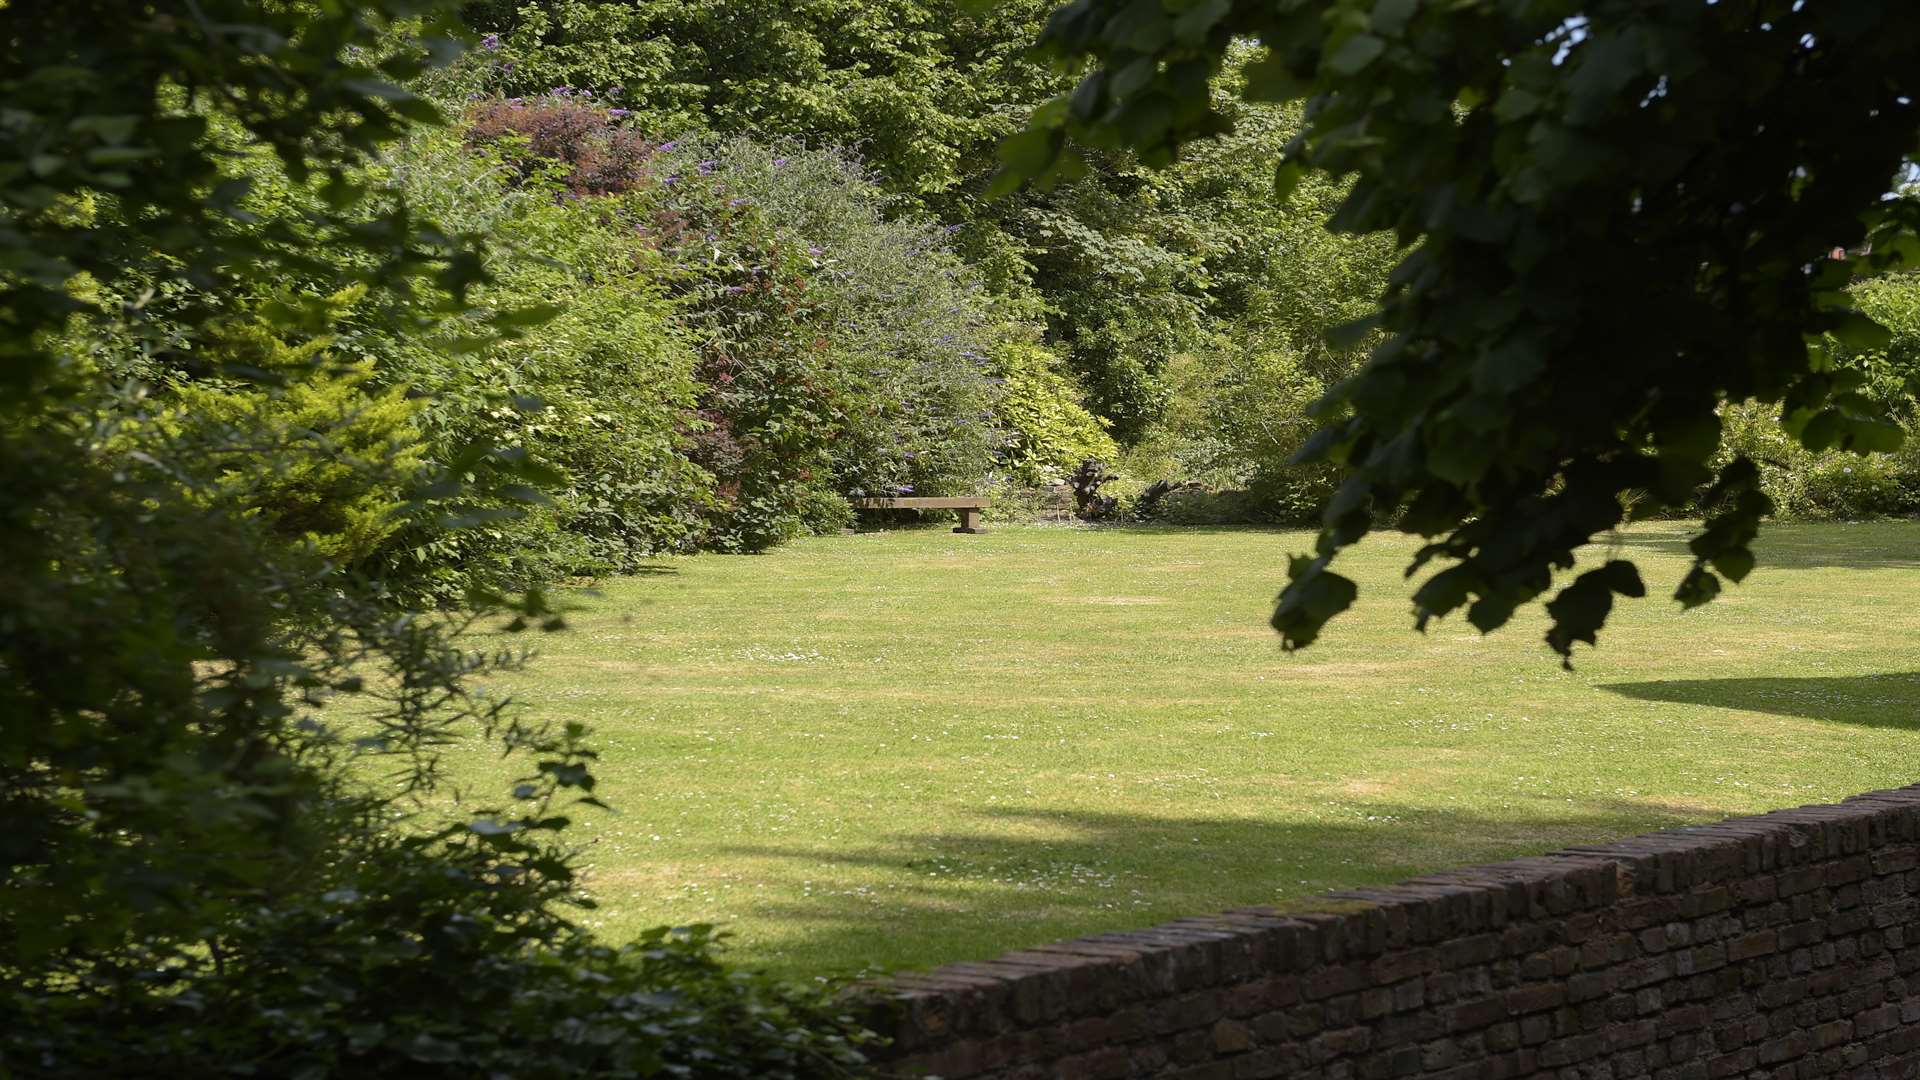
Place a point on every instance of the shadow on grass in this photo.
(1877, 545)
(650, 569)
(1891, 700)
(1020, 878)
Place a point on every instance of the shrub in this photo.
(1830, 485)
(602, 391)
(841, 348)
(1049, 431)
(1238, 417)
(201, 873)
(573, 138)
(1892, 369)
(322, 458)
(902, 329)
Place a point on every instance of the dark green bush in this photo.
(226, 850)
(904, 329)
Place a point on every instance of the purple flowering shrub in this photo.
(905, 332)
(842, 348)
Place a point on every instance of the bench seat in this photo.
(968, 506)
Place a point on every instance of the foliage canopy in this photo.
(207, 867)
(1560, 164)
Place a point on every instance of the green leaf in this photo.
(1270, 79)
(1141, 26)
(526, 316)
(1823, 430)
(113, 129)
(1355, 53)
(1192, 25)
(1005, 182)
(1390, 17)
(1693, 437)
(1442, 594)
(1876, 437)
(1859, 332)
(1286, 177)
(1582, 608)
(1506, 368)
(1133, 77)
(1459, 459)
(1028, 153)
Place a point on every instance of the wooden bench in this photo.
(969, 507)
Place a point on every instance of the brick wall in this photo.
(1777, 946)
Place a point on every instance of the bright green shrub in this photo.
(322, 457)
(1831, 485)
(1238, 417)
(209, 870)
(1892, 369)
(1049, 431)
(1277, 284)
(602, 391)
(1836, 485)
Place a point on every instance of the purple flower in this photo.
(736, 202)
(814, 251)
(905, 489)
(779, 161)
(953, 229)
(670, 145)
(706, 167)
(490, 42)
(616, 113)
(671, 180)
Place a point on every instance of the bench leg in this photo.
(967, 518)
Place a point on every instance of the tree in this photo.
(194, 875)
(921, 91)
(1615, 218)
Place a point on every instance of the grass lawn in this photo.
(903, 748)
